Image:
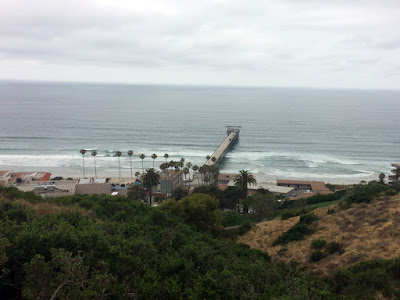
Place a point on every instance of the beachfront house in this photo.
(304, 189)
(282, 191)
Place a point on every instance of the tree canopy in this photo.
(243, 179)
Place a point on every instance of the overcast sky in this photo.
(306, 43)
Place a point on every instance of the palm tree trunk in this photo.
(119, 167)
(130, 158)
(83, 159)
(95, 170)
(150, 196)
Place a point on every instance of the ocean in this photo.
(338, 136)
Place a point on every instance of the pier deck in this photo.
(222, 150)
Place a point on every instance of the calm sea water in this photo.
(332, 135)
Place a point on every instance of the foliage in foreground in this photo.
(131, 251)
(364, 279)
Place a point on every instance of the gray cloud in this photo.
(287, 43)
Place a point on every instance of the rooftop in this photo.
(91, 180)
(317, 187)
(273, 188)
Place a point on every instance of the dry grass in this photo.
(366, 230)
(43, 208)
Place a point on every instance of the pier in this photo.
(219, 154)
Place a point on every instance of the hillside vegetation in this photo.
(102, 247)
(365, 231)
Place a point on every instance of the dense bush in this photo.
(243, 228)
(319, 198)
(318, 244)
(391, 192)
(317, 256)
(365, 193)
(326, 198)
(233, 218)
(288, 214)
(123, 249)
(295, 213)
(131, 249)
(298, 231)
(363, 280)
(179, 193)
(334, 248)
(199, 210)
(308, 218)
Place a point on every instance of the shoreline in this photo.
(126, 177)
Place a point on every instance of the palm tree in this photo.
(164, 166)
(382, 178)
(154, 156)
(150, 179)
(189, 165)
(182, 162)
(166, 156)
(130, 153)
(185, 172)
(208, 157)
(83, 151)
(118, 154)
(203, 171)
(137, 174)
(243, 179)
(94, 153)
(142, 157)
(213, 159)
(195, 169)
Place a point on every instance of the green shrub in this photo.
(395, 268)
(288, 215)
(344, 205)
(308, 218)
(296, 233)
(391, 192)
(317, 256)
(159, 198)
(326, 198)
(233, 218)
(318, 244)
(245, 227)
(330, 187)
(366, 193)
(334, 247)
(294, 213)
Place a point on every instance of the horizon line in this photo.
(38, 81)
